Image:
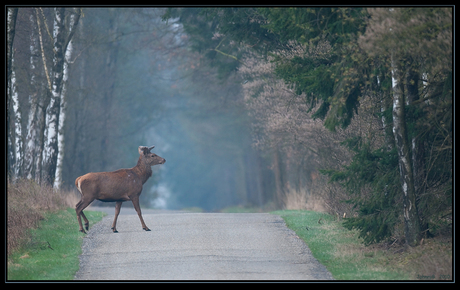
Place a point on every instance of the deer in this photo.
(119, 186)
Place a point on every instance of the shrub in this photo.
(27, 201)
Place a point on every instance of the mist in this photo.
(134, 81)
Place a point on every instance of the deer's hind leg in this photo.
(81, 205)
(86, 220)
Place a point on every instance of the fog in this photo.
(133, 80)
(197, 124)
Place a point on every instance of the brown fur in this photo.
(119, 186)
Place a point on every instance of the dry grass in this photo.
(301, 200)
(27, 202)
(432, 260)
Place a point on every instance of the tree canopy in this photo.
(342, 63)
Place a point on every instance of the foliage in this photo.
(328, 72)
(200, 25)
(339, 249)
(373, 184)
(335, 60)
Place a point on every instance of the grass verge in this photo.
(52, 250)
(344, 255)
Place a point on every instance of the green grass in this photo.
(339, 249)
(53, 249)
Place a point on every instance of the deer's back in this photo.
(110, 186)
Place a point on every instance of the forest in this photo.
(346, 110)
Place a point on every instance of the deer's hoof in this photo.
(146, 229)
(87, 226)
(114, 230)
(83, 231)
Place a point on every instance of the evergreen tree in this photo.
(334, 58)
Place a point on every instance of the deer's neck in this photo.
(143, 170)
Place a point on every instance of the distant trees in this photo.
(116, 91)
(61, 86)
(125, 79)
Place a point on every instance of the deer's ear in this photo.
(143, 150)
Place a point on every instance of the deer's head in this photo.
(148, 157)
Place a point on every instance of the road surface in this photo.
(196, 246)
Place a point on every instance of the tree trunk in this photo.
(417, 146)
(11, 26)
(68, 55)
(111, 73)
(411, 218)
(43, 103)
(278, 182)
(31, 143)
(12, 15)
(52, 120)
(384, 99)
(18, 152)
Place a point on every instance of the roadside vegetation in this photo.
(43, 242)
(344, 254)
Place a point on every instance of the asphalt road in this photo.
(196, 246)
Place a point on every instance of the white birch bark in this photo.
(43, 103)
(17, 123)
(31, 145)
(60, 157)
(411, 218)
(53, 110)
(11, 151)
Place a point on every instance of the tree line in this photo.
(77, 102)
(378, 79)
(39, 151)
(128, 79)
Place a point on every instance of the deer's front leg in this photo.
(117, 212)
(139, 213)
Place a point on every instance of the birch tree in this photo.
(16, 120)
(42, 101)
(61, 41)
(411, 217)
(31, 146)
(68, 54)
(52, 119)
(410, 37)
(11, 25)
